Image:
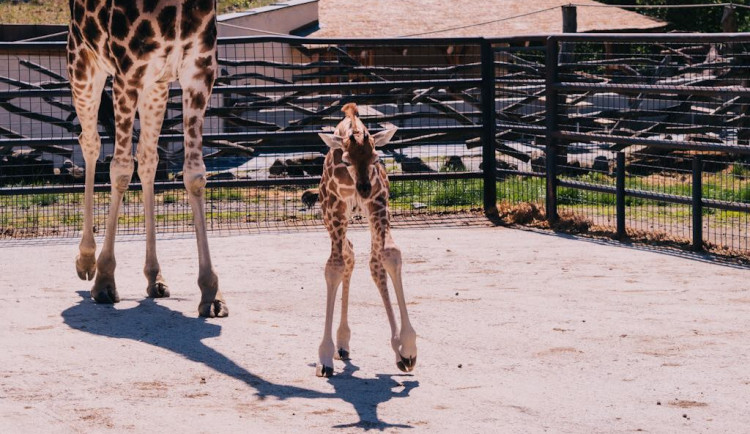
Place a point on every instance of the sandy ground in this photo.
(518, 332)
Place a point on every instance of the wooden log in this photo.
(229, 79)
(42, 70)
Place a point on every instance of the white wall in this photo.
(282, 17)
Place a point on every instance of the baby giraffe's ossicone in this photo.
(352, 177)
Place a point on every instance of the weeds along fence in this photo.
(640, 135)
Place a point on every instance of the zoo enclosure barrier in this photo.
(630, 117)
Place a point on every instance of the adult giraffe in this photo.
(353, 176)
(143, 45)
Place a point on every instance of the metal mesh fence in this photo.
(664, 102)
(261, 147)
(566, 103)
(520, 119)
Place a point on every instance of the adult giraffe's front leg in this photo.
(120, 173)
(87, 82)
(386, 258)
(151, 107)
(196, 80)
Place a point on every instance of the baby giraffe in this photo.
(352, 177)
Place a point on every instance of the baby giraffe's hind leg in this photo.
(386, 260)
(406, 352)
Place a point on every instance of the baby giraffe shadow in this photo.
(154, 324)
(366, 394)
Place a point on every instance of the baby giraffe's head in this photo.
(358, 147)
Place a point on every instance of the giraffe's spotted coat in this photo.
(353, 177)
(144, 45)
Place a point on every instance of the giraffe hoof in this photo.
(407, 364)
(105, 294)
(343, 354)
(324, 371)
(86, 267)
(213, 309)
(158, 290)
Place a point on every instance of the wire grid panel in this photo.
(660, 174)
(520, 119)
(726, 229)
(673, 100)
(261, 146)
(684, 101)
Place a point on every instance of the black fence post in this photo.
(488, 129)
(620, 187)
(551, 79)
(697, 203)
(569, 25)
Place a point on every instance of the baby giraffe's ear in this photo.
(333, 141)
(382, 138)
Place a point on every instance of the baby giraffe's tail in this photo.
(351, 112)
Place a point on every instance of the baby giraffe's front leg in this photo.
(335, 269)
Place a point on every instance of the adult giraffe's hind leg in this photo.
(151, 107)
(196, 80)
(120, 173)
(87, 82)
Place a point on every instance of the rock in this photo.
(538, 162)
(503, 165)
(25, 167)
(221, 176)
(573, 168)
(71, 173)
(418, 205)
(294, 167)
(414, 165)
(313, 166)
(278, 168)
(601, 164)
(453, 164)
(310, 197)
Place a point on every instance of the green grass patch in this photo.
(740, 170)
(45, 199)
(226, 194)
(450, 193)
(168, 198)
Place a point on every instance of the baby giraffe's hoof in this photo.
(324, 371)
(105, 293)
(86, 267)
(158, 290)
(342, 354)
(407, 364)
(211, 309)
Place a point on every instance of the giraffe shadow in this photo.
(157, 325)
(379, 390)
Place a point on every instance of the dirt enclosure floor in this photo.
(518, 332)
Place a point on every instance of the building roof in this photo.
(455, 18)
